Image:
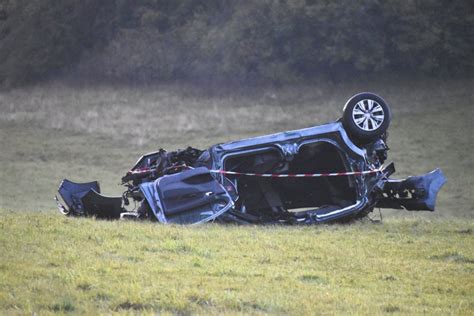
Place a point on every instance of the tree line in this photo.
(243, 40)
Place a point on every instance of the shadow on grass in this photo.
(452, 257)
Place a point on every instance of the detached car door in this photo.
(189, 197)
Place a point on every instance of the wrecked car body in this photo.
(331, 172)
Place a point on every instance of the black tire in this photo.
(366, 116)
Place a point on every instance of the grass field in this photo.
(412, 263)
(56, 264)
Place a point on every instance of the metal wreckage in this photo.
(330, 172)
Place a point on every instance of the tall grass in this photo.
(155, 113)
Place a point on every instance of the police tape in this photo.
(266, 175)
(297, 175)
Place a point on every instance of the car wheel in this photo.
(366, 116)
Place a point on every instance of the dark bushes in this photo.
(243, 40)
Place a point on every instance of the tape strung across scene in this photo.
(297, 175)
(272, 175)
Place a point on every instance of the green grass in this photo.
(412, 263)
(51, 263)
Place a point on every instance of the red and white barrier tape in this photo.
(297, 175)
(275, 175)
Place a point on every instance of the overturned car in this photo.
(318, 174)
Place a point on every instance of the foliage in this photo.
(42, 36)
(250, 40)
